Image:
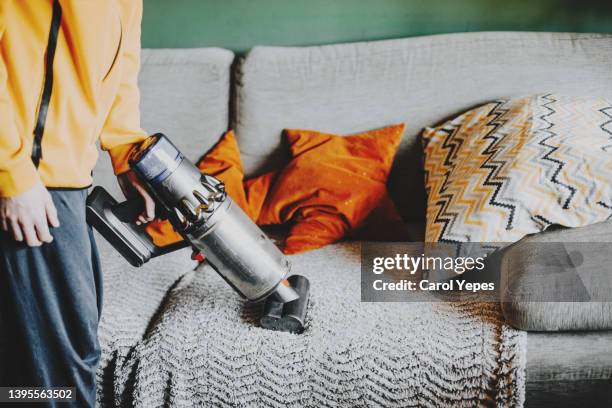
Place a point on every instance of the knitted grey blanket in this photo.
(185, 339)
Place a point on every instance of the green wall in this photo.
(240, 24)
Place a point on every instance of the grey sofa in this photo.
(178, 337)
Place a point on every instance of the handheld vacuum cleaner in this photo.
(200, 210)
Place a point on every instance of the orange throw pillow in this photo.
(222, 161)
(331, 185)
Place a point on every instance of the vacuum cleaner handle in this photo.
(128, 210)
(116, 223)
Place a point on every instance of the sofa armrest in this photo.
(559, 280)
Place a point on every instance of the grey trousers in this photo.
(51, 300)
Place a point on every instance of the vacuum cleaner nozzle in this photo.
(288, 316)
(284, 293)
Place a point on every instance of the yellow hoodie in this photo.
(94, 95)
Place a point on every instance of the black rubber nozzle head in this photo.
(288, 316)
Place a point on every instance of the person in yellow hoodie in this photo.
(68, 78)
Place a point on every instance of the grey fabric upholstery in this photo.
(569, 369)
(551, 296)
(185, 95)
(205, 349)
(132, 297)
(420, 81)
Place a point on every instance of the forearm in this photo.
(122, 127)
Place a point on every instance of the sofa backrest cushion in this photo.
(420, 81)
(185, 95)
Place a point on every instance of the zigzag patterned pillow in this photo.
(511, 168)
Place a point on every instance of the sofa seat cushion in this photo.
(131, 299)
(559, 280)
(206, 349)
(569, 369)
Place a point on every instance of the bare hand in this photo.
(29, 215)
(131, 187)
